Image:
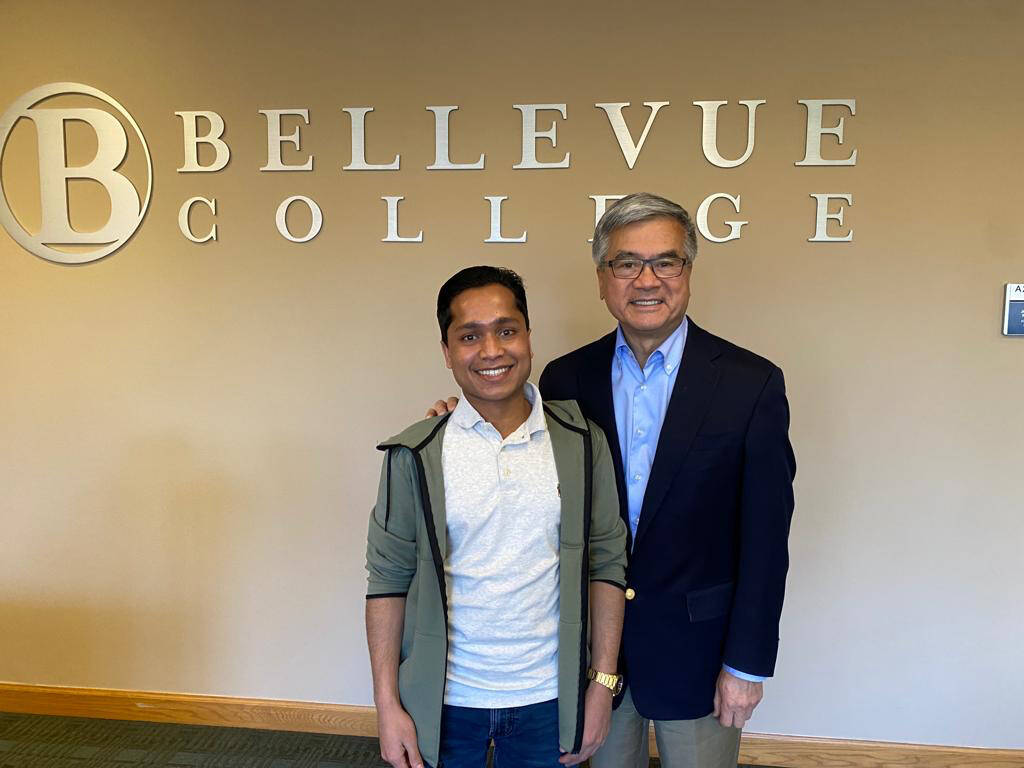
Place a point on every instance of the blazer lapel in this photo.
(595, 388)
(691, 397)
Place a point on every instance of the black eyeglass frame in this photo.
(652, 263)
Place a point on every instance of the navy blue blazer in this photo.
(709, 563)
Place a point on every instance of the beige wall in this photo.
(186, 431)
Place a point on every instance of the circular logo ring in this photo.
(20, 109)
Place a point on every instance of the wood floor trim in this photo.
(194, 709)
(189, 709)
(807, 752)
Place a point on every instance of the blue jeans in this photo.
(524, 737)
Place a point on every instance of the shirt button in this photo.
(640, 432)
(508, 472)
(636, 477)
(643, 387)
(668, 368)
(630, 593)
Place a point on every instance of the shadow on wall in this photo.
(128, 585)
(83, 644)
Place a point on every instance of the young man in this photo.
(496, 537)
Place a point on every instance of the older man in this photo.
(705, 472)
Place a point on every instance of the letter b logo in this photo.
(49, 231)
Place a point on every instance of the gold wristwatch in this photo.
(610, 681)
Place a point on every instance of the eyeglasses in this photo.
(629, 268)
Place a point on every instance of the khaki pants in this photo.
(701, 743)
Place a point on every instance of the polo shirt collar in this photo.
(467, 417)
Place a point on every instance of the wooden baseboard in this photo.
(806, 752)
(189, 709)
(193, 709)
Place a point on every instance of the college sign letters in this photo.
(117, 136)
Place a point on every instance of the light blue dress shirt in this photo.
(641, 397)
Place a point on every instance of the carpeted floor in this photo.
(35, 741)
(38, 741)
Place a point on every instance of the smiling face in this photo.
(487, 348)
(648, 307)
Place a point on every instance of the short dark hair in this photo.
(477, 277)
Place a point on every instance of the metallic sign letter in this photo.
(359, 163)
(709, 134)
(442, 115)
(183, 224)
(128, 202)
(601, 204)
(190, 124)
(812, 153)
(314, 227)
(496, 237)
(531, 135)
(275, 139)
(702, 218)
(822, 216)
(111, 149)
(393, 236)
(630, 151)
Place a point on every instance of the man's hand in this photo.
(441, 407)
(735, 699)
(597, 716)
(397, 734)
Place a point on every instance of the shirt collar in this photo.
(668, 354)
(467, 417)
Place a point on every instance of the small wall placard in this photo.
(1013, 314)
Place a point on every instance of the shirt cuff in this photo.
(743, 675)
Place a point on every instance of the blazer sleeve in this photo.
(391, 538)
(607, 531)
(766, 509)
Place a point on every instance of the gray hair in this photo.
(641, 206)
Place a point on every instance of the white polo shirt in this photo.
(501, 567)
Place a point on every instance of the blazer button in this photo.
(630, 593)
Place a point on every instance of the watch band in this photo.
(609, 680)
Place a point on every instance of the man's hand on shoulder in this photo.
(735, 699)
(397, 734)
(441, 407)
(597, 717)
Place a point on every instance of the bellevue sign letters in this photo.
(118, 136)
